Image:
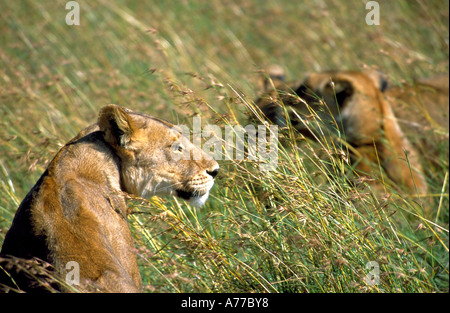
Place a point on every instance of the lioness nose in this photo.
(214, 172)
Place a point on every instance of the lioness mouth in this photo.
(195, 198)
(186, 195)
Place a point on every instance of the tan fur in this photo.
(77, 209)
(380, 125)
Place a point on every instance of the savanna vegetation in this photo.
(313, 225)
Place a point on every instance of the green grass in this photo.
(302, 228)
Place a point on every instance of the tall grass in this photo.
(311, 226)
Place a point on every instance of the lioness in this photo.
(379, 122)
(77, 210)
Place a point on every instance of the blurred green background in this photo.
(177, 59)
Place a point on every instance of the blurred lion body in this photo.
(380, 122)
(422, 107)
(77, 209)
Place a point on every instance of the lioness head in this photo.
(155, 158)
(334, 99)
(345, 97)
(380, 123)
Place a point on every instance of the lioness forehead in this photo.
(359, 80)
(149, 118)
(328, 76)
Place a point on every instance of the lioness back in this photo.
(77, 212)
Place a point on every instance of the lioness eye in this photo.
(180, 148)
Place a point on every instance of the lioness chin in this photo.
(77, 212)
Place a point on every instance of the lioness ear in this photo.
(274, 77)
(116, 125)
(379, 79)
(343, 89)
